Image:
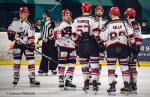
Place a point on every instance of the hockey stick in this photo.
(49, 58)
(138, 63)
(4, 52)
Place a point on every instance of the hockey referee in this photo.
(48, 45)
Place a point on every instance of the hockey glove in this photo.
(11, 35)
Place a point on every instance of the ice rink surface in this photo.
(49, 84)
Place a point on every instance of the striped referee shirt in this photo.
(47, 30)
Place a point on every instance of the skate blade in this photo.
(34, 85)
(89, 91)
(112, 94)
(95, 92)
(44, 74)
(133, 92)
(14, 85)
(86, 91)
(61, 88)
(125, 93)
(69, 88)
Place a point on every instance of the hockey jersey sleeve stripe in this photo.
(132, 36)
(31, 37)
(74, 36)
(138, 40)
(96, 30)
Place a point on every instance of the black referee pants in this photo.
(50, 50)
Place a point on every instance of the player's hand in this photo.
(11, 35)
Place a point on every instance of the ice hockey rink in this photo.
(49, 84)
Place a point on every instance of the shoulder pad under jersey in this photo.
(31, 24)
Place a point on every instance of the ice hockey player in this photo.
(85, 33)
(130, 15)
(66, 50)
(21, 32)
(116, 34)
(99, 10)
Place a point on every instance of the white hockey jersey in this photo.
(137, 30)
(117, 32)
(62, 33)
(100, 22)
(84, 24)
(24, 30)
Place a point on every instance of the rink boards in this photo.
(37, 62)
(7, 59)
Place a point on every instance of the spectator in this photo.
(38, 25)
(144, 27)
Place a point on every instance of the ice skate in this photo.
(16, 79)
(69, 86)
(86, 86)
(42, 73)
(95, 86)
(33, 82)
(112, 89)
(125, 89)
(133, 88)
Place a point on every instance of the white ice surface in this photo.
(49, 84)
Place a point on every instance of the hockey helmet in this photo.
(99, 8)
(24, 10)
(130, 12)
(66, 11)
(115, 11)
(86, 7)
